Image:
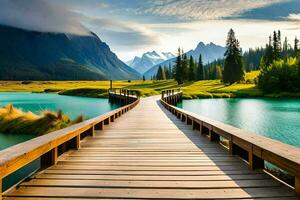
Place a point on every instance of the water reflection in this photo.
(273, 118)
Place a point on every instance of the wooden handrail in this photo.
(47, 146)
(170, 92)
(125, 92)
(252, 147)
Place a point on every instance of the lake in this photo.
(278, 119)
(37, 103)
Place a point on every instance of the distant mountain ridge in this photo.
(31, 55)
(209, 52)
(148, 60)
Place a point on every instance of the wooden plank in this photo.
(151, 184)
(257, 176)
(72, 192)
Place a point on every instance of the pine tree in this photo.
(178, 68)
(171, 71)
(233, 66)
(144, 78)
(185, 75)
(285, 49)
(200, 69)
(167, 72)
(276, 45)
(159, 75)
(191, 74)
(296, 47)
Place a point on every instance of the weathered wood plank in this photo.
(151, 193)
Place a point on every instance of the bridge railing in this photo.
(50, 146)
(172, 96)
(253, 148)
(122, 95)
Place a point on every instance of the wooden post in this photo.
(193, 125)
(99, 126)
(230, 147)
(213, 136)
(106, 121)
(255, 162)
(189, 121)
(49, 158)
(200, 128)
(74, 143)
(112, 118)
(0, 188)
(297, 185)
(77, 143)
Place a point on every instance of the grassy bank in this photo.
(191, 90)
(15, 121)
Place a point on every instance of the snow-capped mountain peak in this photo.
(148, 60)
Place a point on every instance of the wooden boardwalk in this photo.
(149, 153)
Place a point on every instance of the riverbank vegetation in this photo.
(191, 89)
(275, 70)
(15, 121)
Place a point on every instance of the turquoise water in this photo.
(278, 119)
(37, 103)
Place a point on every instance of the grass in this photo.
(191, 90)
(15, 121)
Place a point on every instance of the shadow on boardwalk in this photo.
(232, 166)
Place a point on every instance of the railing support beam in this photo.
(99, 126)
(255, 162)
(213, 136)
(49, 158)
(297, 185)
(1, 180)
(106, 121)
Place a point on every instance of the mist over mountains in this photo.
(33, 55)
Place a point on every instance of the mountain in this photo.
(148, 60)
(31, 55)
(209, 52)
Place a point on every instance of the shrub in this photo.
(15, 121)
(280, 76)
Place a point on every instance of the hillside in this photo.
(31, 55)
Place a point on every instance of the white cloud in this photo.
(202, 9)
(294, 17)
(40, 15)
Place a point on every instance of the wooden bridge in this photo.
(155, 151)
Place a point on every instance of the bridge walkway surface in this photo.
(149, 153)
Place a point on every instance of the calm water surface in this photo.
(278, 119)
(37, 103)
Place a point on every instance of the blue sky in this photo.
(132, 27)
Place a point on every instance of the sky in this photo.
(132, 27)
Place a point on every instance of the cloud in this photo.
(202, 9)
(294, 17)
(64, 16)
(40, 15)
(123, 34)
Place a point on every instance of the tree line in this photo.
(280, 66)
(188, 69)
(276, 61)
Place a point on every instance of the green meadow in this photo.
(191, 90)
